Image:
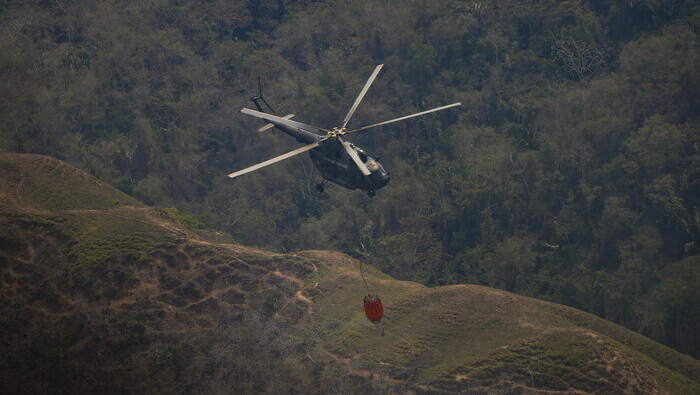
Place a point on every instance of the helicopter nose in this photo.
(385, 178)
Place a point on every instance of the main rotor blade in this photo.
(361, 95)
(274, 119)
(406, 117)
(355, 157)
(274, 160)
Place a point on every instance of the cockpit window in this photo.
(371, 164)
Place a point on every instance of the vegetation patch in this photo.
(187, 221)
(99, 239)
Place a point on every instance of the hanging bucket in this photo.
(373, 308)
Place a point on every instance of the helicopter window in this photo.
(371, 164)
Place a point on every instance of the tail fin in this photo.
(255, 99)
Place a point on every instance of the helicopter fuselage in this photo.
(331, 159)
(335, 164)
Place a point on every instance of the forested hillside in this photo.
(570, 173)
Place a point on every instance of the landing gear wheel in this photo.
(319, 188)
(372, 193)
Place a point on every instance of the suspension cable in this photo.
(363, 276)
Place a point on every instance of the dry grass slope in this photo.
(478, 339)
(99, 293)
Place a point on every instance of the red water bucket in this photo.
(373, 308)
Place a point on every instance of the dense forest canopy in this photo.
(570, 173)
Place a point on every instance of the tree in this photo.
(580, 60)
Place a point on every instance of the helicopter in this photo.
(338, 160)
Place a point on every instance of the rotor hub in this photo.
(337, 132)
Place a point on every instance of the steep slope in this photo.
(100, 293)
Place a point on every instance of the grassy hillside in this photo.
(43, 183)
(115, 297)
(463, 337)
(102, 294)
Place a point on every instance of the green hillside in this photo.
(161, 309)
